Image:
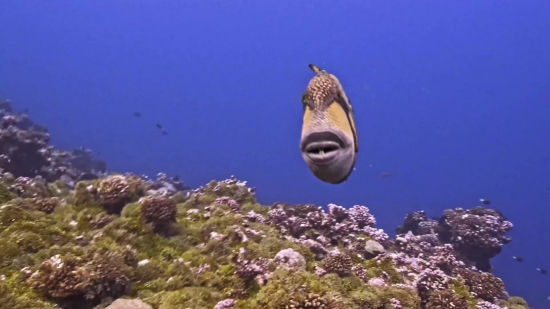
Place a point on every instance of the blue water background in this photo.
(453, 97)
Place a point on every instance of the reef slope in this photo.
(73, 235)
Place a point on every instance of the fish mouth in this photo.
(322, 147)
(330, 155)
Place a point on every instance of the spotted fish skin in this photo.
(329, 144)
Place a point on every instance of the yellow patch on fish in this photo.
(338, 117)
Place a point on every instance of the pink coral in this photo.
(488, 305)
(376, 282)
(229, 202)
(396, 303)
(362, 216)
(225, 304)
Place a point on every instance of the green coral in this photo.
(461, 290)
(376, 267)
(5, 194)
(110, 245)
(515, 302)
(82, 195)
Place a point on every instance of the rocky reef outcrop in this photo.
(123, 241)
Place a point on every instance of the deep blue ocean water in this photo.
(452, 97)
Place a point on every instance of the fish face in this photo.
(329, 154)
(329, 140)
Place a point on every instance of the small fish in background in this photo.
(24, 112)
(68, 181)
(328, 144)
(137, 114)
(159, 126)
(542, 271)
(518, 258)
(164, 132)
(385, 175)
(484, 201)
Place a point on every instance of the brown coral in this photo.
(46, 205)
(114, 192)
(338, 263)
(67, 276)
(312, 301)
(61, 277)
(110, 276)
(483, 285)
(229, 202)
(158, 210)
(444, 299)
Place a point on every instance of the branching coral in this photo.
(114, 192)
(311, 301)
(46, 205)
(482, 285)
(61, 277)
(445, 299)
(158, 210)
(231, 187)
(431, 280)
(477, 234)
(70, 276)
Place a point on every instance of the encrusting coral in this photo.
(107, 236)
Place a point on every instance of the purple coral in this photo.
(225, 304)
(25, 152)
(338, 212)
(478, 234)
(247, 270)
(488, 305)
(229, 202)
(362, 216)
(396, 303)
(376, 282)
(432, 279)
(375, 234)
(255, 217)
(277, 215)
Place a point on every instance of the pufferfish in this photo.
(329, 143)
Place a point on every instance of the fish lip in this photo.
(336, 164)
(330, 141)
(322, 159)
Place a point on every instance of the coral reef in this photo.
(126, 241)
(25, 151)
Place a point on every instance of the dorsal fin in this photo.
(315, 68)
